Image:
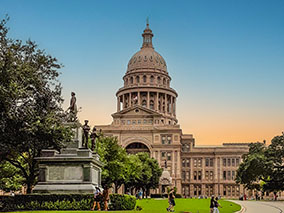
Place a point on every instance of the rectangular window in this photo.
(211, 162)
(163, 139)
(187, 175)
(199, 162)
(187, 162)
(122, 122)
(224, 191)
(224, 162)
(169, 139)
(169, 156)
(229, 161)
(206, 175)
(233, 175)
(224, 175)
(211, 175)
(237, 162)
(199, 175)
(229, 175)
(183, 175)
(206, 162)
(195, 162)
(195, 175)
(163, 154)
(139, 121)
(183, 162)
(128, 122)
(233, 161)
(134, 122)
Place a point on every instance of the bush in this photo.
(122, 202)
(62, 202)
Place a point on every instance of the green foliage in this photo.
(114, 158)
(10, 178)
(262, 168)
(151, 173)
(62, 202)
(122, 202)
(30, 104)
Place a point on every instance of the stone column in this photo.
(159, 158)
(118, 103)
(138, 96)
(148, 100)
(123, 101)
(172, 112)
(178, 165)
(174, 106)
(157, 101)
(203, 169)
(166, 103)
(173, 163)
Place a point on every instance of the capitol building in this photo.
(145, 121)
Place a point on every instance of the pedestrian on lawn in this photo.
(216, 205)
(97, 199)
(171, 200)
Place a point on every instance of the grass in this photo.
(160, 205)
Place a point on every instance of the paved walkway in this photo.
(261, 206)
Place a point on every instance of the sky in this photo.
(225, 57)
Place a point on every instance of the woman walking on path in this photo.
(171, 200)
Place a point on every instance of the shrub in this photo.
(122, 202)
(62, 202)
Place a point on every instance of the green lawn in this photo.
(160, 205)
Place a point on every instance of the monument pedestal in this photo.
(74, 170)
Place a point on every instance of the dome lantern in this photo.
(147, 37)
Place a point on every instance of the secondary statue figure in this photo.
(72, 115)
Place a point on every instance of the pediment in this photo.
(137, 111)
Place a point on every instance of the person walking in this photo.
(212, 204)
(106, 198)
(97, 198)
(216, 205)
(171, 200)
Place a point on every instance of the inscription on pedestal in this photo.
(58, 173)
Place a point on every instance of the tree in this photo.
(151, 173)
(133, 172)
(263, 167)
(114, 158)
(30, 105)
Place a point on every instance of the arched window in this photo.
(159, 80)
(164, 81)
(152, 79)
(126, 81)
(131, 80)
(144, 78)
(152, 104)
(144, 103)
(137, 79)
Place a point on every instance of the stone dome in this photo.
(147, 58)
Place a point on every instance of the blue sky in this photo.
(226, 58)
